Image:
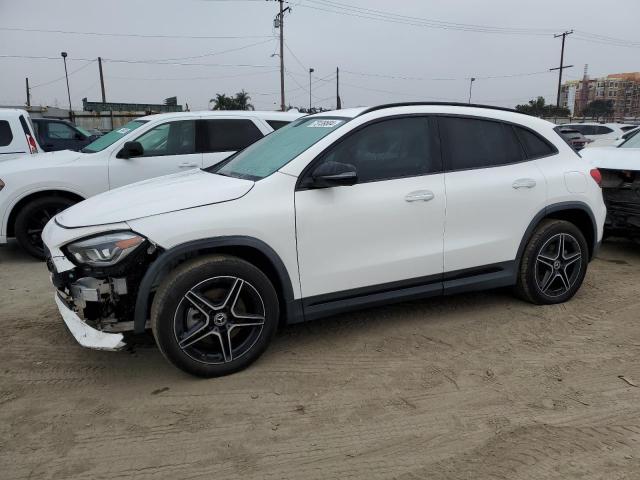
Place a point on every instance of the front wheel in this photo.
(554, 263)
(214, 316)
(31, 220)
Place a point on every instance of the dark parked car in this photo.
(573, 137)
(56, 134)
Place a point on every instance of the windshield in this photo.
(83, 131)
(277, 149)
(112, 137)
(632, 142)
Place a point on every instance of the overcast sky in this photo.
(399, 55)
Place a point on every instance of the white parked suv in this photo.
(334, 212)
(16, 134)
(33, 190)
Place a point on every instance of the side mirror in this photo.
(131, 149)
(333, 174)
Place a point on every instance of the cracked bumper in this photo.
(88, 336)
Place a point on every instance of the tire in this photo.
(206, 301)
(549, 275)
(31, 220)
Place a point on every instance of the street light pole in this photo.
(311, 70)
(64, 57)
(470, 87)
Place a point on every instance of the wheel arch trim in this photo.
(292, 310)
(554, 208)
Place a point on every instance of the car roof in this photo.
(12, 112)
(487, 111)
(264, 115)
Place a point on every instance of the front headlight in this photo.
(105, 250)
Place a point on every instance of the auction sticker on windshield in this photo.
(324, 123)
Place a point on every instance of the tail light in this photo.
(596, 175)
(33, 146)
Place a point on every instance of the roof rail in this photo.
(444, 104)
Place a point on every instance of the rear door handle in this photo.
(524, 183)
(188, 165)
(419, 196)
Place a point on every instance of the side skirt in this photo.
(478, 278)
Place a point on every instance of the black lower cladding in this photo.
(483, 277)
(131, 268)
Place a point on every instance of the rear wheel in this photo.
(554, 263)
(32, 218)
(214, 316)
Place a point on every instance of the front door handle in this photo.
(188, 165)
(419, 196)
(524, 183)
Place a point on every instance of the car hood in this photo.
(613, 158)
(169, 193)
(39, 160)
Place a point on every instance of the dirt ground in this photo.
(467, 387)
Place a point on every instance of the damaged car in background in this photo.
(620, 170)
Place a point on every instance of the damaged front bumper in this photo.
(98, 304)
(86, 335)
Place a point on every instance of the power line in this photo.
(217, 77)
(343, 9)
(136, 35)
(63, 77)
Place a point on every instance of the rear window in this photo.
(583, 129)
(601, 130)
(475, 143)
(628, 127)
(276, 124)
(230, 135)
(6, 137)
(534, 145)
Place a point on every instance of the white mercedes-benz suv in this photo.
(333, 212)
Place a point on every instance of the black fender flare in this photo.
(291, 309)
(558, 207)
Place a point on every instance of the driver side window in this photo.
(395, 148)
(172, 138)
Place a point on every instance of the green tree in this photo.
(241, 100)
(238, 102)
(539, 108)
(599, 108)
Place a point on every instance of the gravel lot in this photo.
(467, 387)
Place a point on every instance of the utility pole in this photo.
(64, 57)
(562, 65)
(28, 92)
(279, 23)
(101, 79)
(470, 87)
(311, 70)
(338, 101)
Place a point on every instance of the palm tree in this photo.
(242, 101)
(222, 102)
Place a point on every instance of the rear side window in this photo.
(475, 143)
(534, 145)
(276, 124)
(600, 130)
(6, 137)
(396, 148)
(229, 135)
(628, 127)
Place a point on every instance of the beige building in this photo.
(622, 89)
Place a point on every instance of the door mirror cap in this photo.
(334, 174)
(131, 149)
